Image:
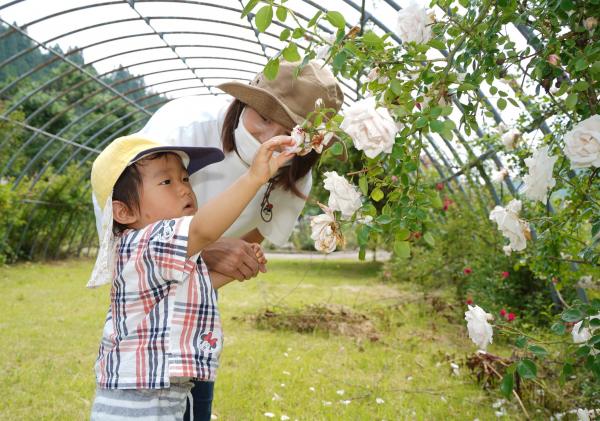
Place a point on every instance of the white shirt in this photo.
(197, 121)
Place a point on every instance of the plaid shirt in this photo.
(163, 320)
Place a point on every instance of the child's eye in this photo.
(165, 182)
(186, 179)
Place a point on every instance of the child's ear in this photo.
(122, 213)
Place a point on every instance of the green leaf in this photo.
(271, 69)
(566, 372)
(582, 85)
(581, 64)
(298, 33)
(429, 239)
(507, 384)
(248, 8)
(285, 34)
(402, 234)
(436, 125)
(396, 86)
(383, 219)
(501, 103)
(337, 149)
(521, 342)
(290, 53)
(437, 44)
(558, 328)
(538, 351)
(314, 19)
(420, 122)
(339, 60)
(594, 340)
(362, 253)
(371, 39)
(281, 13)
(362, 234)
(363, 184)
(572, 315)
(402, 249)
(377, 194)
(336, 19)
(527, 369)
(263, 18)
(571, 101)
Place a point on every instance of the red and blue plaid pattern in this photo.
(163, 320)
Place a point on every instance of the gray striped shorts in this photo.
(141, 404)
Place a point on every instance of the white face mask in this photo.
(246, 144)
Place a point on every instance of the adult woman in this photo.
(259, 111)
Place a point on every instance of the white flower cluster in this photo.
(372, 129)
(414, 24)
(582, 144)
(539, 179)
(343, 197)
(512, 227)
(304, 142)
(478, 326)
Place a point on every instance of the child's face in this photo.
(166, 192)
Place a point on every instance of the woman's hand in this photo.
(265, 165)
(232, 257)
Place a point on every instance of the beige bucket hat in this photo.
(288, 99)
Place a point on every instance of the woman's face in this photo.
(262, 127)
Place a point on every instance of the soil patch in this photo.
(328, 318)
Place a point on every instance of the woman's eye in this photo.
(165, 182)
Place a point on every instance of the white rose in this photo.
(320, 139)
(581, 335)
(300, 137)
(343, 196)
(510, 139)
(507, 250)
(582, 144)
(583, 414)
(372, 129)
(499, 176)
(515, 229)
(323, 232)
(480, 331)
(539, 179)
(414, 24)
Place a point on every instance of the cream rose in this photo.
(343, 196)
(414, 24)
(325, 231)
(480, 331)
(582, 144)
(372, 129)
(512, 227)
(539, 179)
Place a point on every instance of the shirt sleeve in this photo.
(167, 248)
(286, 209)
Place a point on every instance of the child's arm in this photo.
(213, 219)
(218, 279)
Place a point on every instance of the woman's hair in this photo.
(288, 175)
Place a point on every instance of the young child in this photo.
(162, 329)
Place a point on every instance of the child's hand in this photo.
(260, 257)
(265, 165)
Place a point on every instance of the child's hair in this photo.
(128, 185)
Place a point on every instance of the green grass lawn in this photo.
(51, 325)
